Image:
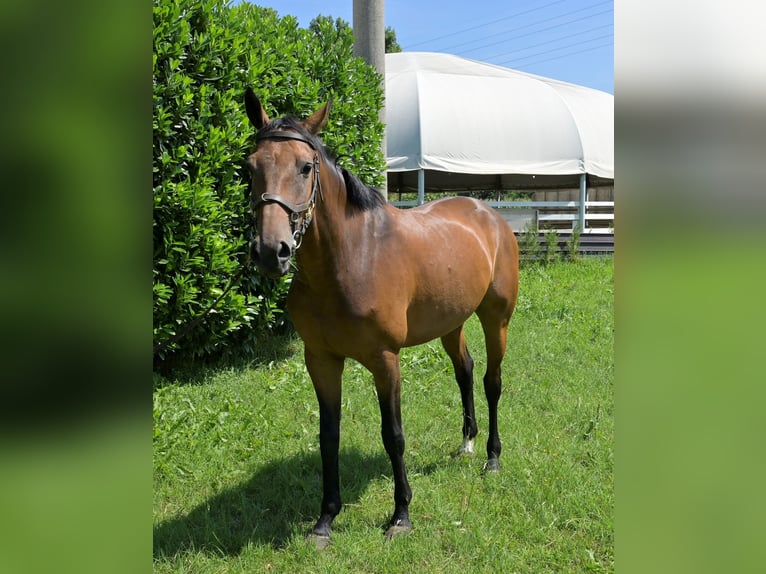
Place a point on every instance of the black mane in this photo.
(359, 195)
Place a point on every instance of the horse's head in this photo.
(285, 182)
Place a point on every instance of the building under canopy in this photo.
(454, 124)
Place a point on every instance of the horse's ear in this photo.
(316, 121)
(255, 110)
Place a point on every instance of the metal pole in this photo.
(421, 186)
(370, 44)
(583, 200)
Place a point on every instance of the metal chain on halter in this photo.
(306, 217)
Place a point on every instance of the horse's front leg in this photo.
(385, 369)
(326, 372)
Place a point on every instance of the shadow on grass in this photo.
(268, 349)
(281, 500)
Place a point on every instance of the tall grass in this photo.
(237, 481)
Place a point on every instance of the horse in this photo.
(371, 279)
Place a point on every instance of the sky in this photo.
(567, 40)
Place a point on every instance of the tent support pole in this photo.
(421, 186)
(583, 200)
(370, 43)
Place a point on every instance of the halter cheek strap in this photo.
(301, 214)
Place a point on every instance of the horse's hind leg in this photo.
(495, 325)
(454, 344)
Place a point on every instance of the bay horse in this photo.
(372, 279)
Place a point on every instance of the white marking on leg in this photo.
(467, 447)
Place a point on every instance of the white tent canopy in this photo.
(471, 125)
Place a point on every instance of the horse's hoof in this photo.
(398, 529)
(466, 448)
(492, 465)
(321, 542)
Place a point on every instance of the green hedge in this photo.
(205, 54)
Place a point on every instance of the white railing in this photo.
(523, 213)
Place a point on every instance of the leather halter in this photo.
(300, 212)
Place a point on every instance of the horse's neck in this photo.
(333, 245)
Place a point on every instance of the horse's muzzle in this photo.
(272, 259)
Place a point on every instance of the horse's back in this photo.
(458, 206)
(463, 226)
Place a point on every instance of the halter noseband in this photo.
(301, 212)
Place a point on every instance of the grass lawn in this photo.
(237, 474)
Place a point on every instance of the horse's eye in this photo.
(306, 170)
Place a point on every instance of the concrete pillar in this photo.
(370, 44)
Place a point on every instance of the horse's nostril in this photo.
(284, 251)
